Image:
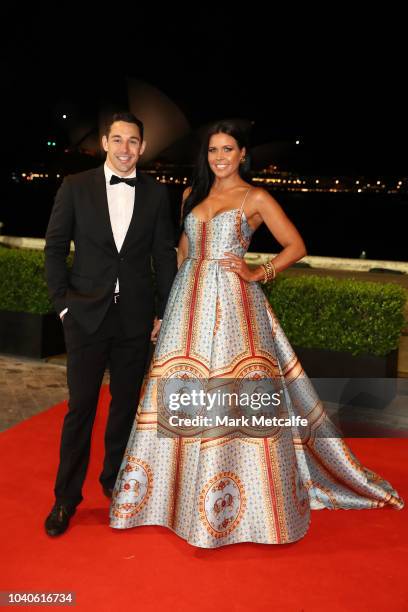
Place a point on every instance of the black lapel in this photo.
(138, 220)
(102, 218)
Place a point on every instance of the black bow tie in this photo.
(114, 180)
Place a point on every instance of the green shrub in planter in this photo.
(316, 312)
(28, 324)
(359, 317)
(23, 287)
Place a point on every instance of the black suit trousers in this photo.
(88, 355)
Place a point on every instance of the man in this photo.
(119, 224)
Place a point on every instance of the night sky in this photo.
(336, 85)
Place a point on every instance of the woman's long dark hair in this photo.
(203, 176)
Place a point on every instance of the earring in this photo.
(242, 161)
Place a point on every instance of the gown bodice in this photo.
(228, 231)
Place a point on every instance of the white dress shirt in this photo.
(121, 199)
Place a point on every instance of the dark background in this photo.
(335, 81)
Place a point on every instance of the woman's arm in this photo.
(281, 228)
(262, 207)
(182, 248)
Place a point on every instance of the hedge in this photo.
(314, 311)
(339, 314)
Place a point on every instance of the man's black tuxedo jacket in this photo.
(81, 213)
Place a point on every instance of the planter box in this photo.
(364, 380)
(31, 335)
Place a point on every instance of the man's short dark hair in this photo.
(129, 118)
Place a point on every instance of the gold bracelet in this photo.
(265, 276)
(269, 271)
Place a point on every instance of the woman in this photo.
(216, 485)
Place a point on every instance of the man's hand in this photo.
(156, 328)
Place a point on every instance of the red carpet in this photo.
(349, 560)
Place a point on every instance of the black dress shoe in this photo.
(57, 521)
(107, 492)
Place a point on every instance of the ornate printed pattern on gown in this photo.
(234, 488)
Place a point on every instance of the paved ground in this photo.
(28, 386)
